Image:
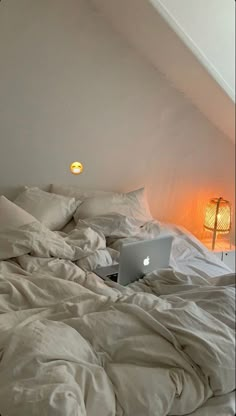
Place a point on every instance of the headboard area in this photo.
(11, 192)
(100, 102)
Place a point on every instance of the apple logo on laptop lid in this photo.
(146, 261)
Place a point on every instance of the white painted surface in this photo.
(208, 28)
(228, 257)
(71, 88)
(143, 27)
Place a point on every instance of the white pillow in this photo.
(54, 211)
(77, 193)
(13, 216)
(132, 204)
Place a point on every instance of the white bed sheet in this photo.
(218, 406)
(46, 299)
(188, 254)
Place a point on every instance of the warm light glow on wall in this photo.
(76, 168)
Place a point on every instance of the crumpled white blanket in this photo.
(71, 345)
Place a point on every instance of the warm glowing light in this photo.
(218, 216)
(76, 168)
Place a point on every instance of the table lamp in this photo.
(218, 217)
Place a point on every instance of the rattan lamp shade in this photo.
(218, 217)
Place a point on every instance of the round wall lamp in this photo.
(76, 168)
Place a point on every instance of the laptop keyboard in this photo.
(113, 277)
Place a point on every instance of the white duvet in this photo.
(71, 345)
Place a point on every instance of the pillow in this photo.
(13, 216)
(54, 211)
(77, 193)
(132, 204)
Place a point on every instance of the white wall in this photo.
(208, 28)
(71, 88)
(145, 29)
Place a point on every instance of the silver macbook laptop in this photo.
(137, 259)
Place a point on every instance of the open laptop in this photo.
(137, 259)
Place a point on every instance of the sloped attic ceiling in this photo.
(142, 23)
(207, 27)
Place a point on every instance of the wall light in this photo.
(218, 217)
(76, 168)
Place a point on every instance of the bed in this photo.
(71, 344)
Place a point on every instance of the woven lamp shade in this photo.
(218, 216)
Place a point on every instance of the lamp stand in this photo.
(215, 225)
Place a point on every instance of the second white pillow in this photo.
(54, 211)
(133, 204)
(12, 215)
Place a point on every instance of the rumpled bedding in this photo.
(73, 345)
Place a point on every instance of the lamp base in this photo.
(220, 244)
